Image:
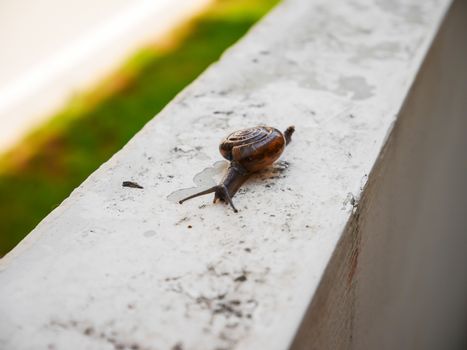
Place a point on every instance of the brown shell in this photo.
(253, 148)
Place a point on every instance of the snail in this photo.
(248, 150)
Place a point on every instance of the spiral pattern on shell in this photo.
(253, 148)
(243, 138)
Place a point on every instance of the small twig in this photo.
(131, 184)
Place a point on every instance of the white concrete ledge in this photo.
(308, 262)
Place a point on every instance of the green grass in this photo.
(41, 171)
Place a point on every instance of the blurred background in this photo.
(79, 79)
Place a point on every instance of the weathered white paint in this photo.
(115, 267)
(53, 49)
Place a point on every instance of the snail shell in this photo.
(253, 148)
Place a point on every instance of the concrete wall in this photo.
(398, 279)
(354, 239)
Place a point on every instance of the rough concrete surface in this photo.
(126, 268)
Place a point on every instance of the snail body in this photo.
(248, 150)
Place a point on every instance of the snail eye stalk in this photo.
(221, 192)
(202, 193)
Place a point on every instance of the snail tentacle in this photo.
(221, 192)
(226, 196)
(288, 134)
(202, 193)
